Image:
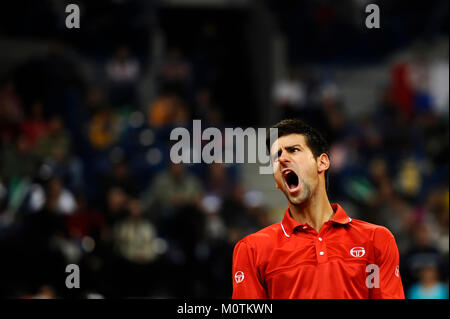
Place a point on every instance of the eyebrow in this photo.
(288, 147)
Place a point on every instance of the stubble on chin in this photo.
(300, 198)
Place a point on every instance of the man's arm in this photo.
(387, 260)
(247, 284)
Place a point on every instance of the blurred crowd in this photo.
(86, 178)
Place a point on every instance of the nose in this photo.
(284, 157)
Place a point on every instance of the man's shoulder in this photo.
(263, 237)
(371, 229)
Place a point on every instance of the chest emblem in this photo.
(357, 252)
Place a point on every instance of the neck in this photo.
(315, 211)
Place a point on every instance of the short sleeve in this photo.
(387, 259)
(246, 281)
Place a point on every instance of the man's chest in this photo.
(308, 265)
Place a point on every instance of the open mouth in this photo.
(291, 180)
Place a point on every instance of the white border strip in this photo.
(284, 230)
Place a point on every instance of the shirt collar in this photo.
(289, 224)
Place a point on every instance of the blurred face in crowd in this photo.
(176, 170)
(46, 292)
(120, 171)
(55, 187)
(429, 275)
(22, 144)
(36, 110)
(54, 190)
(203, 97)
(94, 98)
(217, 172)
(55, 125)
(422, 236)
(297, 172)
(123, 53)
(116, 199)
(135, 208)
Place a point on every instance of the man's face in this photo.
(295, 168)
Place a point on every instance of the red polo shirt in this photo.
(348, 259)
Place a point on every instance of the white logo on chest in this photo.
(357, 252)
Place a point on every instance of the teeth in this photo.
(287, 172)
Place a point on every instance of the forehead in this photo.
(288, 140)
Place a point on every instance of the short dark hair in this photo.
(314, 140)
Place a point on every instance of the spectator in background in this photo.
(331, 111)
(235, 212)
(408, 181)
(218, 180)
(437, 216)
(206, 110)
(17, 167)
(17, 161)
(42, 230)
(55, 152)
(439, 84)
(401, 91)
(84, 229)
(134, 236)
(429, 285)
(166, 109)
(11, 109)
(161, 111)
(44, 292)
(434, 135)
(290, 95)
(420, 81)
(115, 205)
(34, 126)
(56, 144)
(123, 72)
(421, 253)
(175, 74)
(104, 129)
(60, 73)
(135, 242)
(85, 221)
(95, 101)
(171, 190)
(62, 200)
(218, 186)
(120, 177)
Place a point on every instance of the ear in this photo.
(323, 163)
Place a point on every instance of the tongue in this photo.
(292, 186)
